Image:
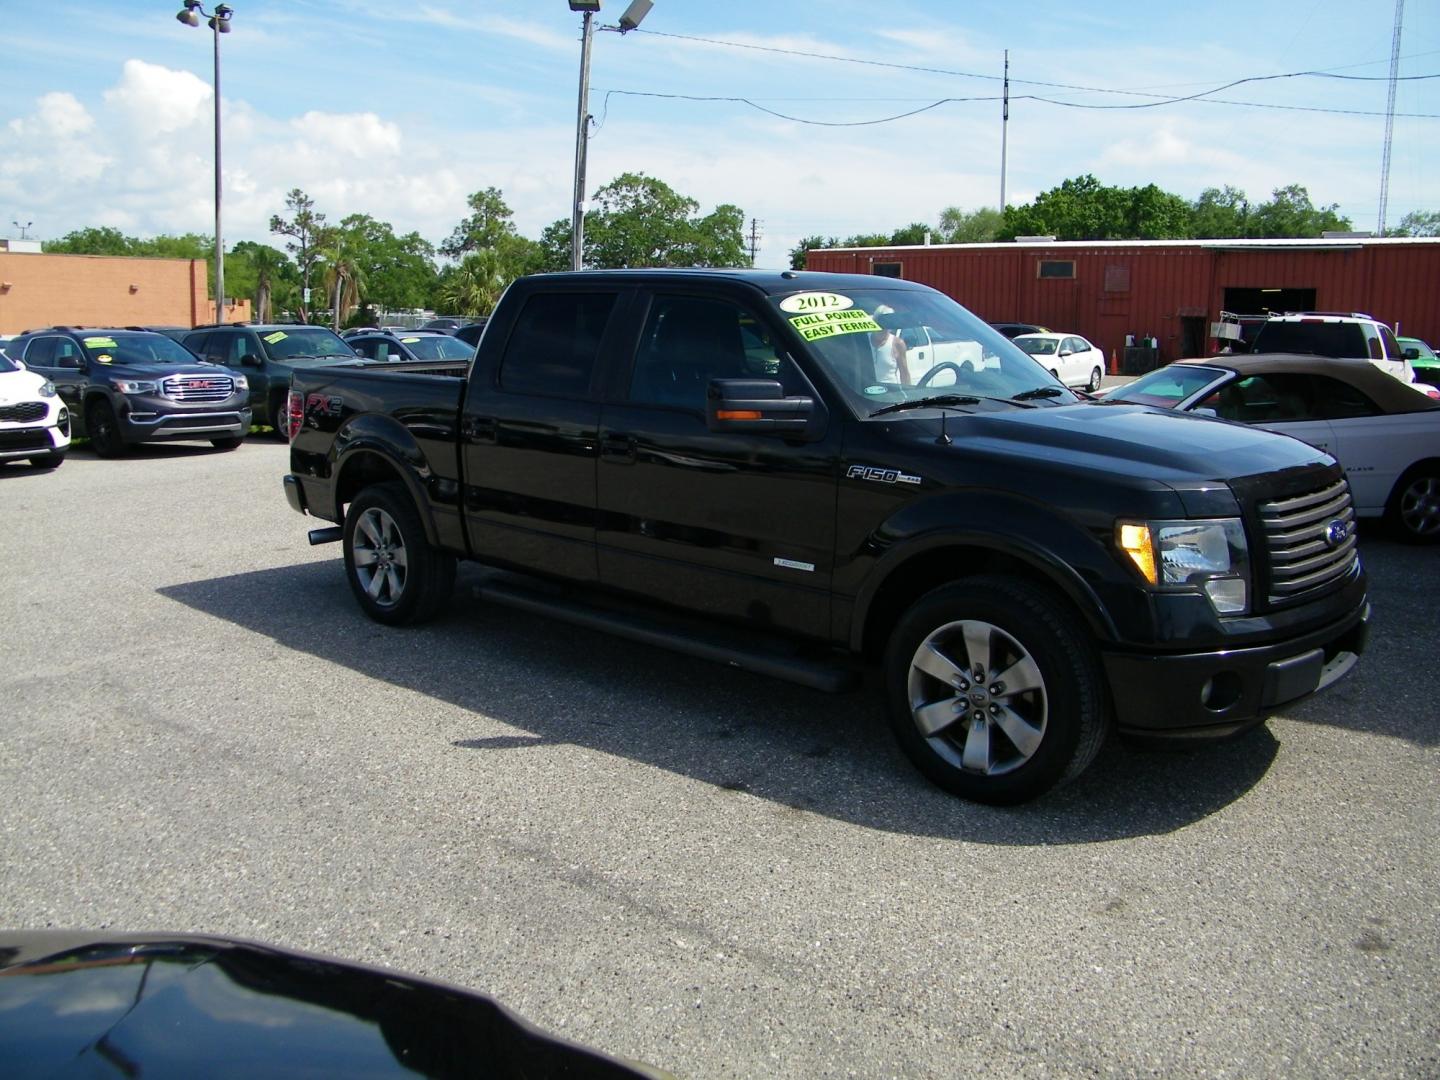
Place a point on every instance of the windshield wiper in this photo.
(1038, 392)
(938, 401)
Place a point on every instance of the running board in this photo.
(734, 650)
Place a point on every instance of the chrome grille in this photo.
(23, 413)
(1299, 536)
(198, 387)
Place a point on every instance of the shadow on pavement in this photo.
(797, 748)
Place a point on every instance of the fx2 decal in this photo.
(880, 476)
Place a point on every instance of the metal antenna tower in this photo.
(1390, 116)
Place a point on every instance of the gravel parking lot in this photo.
(712, 872)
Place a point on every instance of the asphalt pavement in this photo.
(712, 872)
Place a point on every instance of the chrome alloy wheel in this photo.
(379, 554)
(978, 697)
(1420, 506)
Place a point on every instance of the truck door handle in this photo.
(479, 429)
(616, 445)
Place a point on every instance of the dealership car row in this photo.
(124, 386)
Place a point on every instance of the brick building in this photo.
(1168, 289)
(38, 289)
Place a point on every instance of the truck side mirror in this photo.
(760, 407)
(249, 360)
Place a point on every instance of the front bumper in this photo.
(1218, 693)
(156, 419)
(48, 434)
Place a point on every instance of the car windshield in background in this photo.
(303, 341)
(1037, 346)
(1168, 386)
(883, 347)
(439, 347)
(136, 349)
(1334, 339)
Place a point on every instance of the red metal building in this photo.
(1170, 290)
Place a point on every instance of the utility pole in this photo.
(755, 235)
(1004, 130)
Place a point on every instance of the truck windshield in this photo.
(883, 347)
(439, 347)
(304, 341)
(136, 349)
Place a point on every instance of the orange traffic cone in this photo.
(1114, 363)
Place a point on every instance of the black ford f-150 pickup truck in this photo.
(745, 466)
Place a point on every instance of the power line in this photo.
(754, 104)
(1323, 73)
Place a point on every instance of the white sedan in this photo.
(34, 423)
(1385, 433)
(1070, 358)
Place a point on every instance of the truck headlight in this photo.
(136, 386)
(242, 383)
(1209, 555)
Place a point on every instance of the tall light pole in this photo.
(191, 15)
(637, 11)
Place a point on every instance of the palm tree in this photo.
(268, 265)
(474, 287)
(343, 279)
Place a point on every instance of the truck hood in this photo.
(1177, 449)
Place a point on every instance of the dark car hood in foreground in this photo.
(177, 1005)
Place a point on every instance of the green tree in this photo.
(473, 287)
(264, 273)
(637, 220)
(399, 271)
(915, 233)
(1220, 213)
(306, 227)
(807, 245)
(1417, 223)
(92, 241)
(958, 226)
(1291, 213)
(488, 226)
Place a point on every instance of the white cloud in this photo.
(57, 116)
(159, 99)
(361, 135)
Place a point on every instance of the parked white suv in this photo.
(1344, 336)
(34, 422)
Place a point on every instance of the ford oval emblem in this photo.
(1336, 532)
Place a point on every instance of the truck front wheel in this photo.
(995, 691)
(396, 574)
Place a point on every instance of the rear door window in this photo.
(555, 344)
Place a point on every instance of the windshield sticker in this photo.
(104, 358)
(805, 302)
(823, 324)
(409, 340)
(877, 391)
(100, 343)
(278, 335)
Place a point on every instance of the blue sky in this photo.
(401, 110)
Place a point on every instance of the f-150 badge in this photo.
(880, 476)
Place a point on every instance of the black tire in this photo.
(397, 576)
(1414, 508)
(103, 429)
(230, 442)
(49, 461)
(1030, 737)
(278, 405)
(1095, 376)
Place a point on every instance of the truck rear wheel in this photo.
(396, 574)
(995, 691)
